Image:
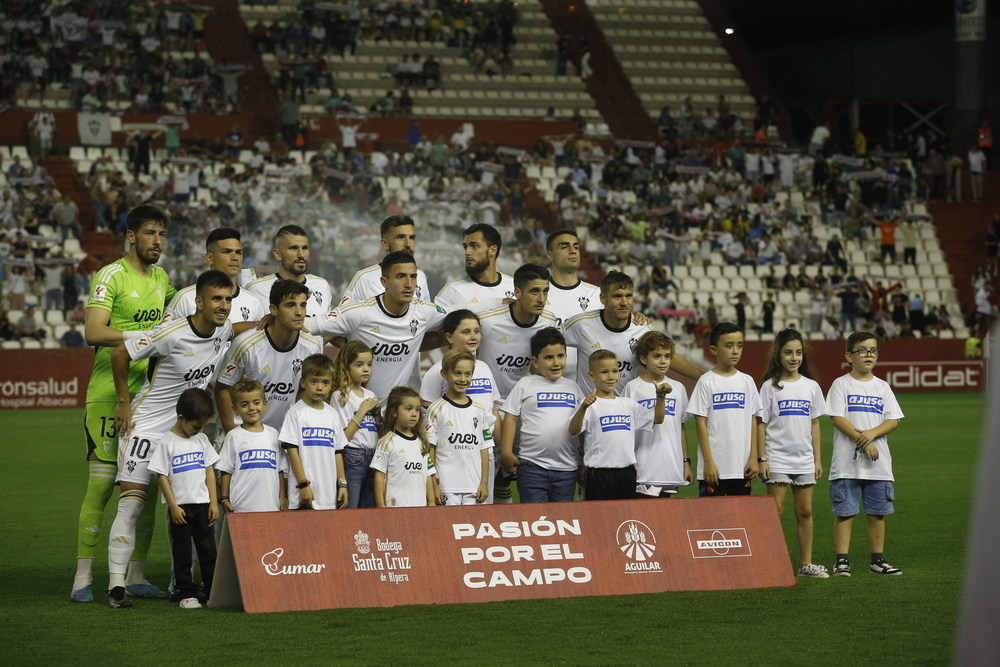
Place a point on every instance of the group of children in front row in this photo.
(629, 441)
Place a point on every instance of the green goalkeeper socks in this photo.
(100, 486)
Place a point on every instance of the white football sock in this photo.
(121, 540)
(84, 573)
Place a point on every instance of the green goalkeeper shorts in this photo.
(102, 436)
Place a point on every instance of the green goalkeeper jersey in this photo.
(136, 304)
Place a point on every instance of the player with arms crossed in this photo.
(291, 249)
(187, 353)
(127, 296)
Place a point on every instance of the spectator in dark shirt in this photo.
(72, 338)
(848, 308)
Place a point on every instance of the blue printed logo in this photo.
(189, 461)
(669, 405)
(480, 386)
(318, 437)
(729, 401)
(556, 399)
(616, 423)
(794, 408)
(862, 403)
(367, 422)
(258, 458)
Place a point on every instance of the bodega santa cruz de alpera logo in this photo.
(638, 543)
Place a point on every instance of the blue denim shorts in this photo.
(847, 496)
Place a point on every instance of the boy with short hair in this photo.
(252, 467)
(184, 461)
(313, 437)
(724, 403)
(543, 404)
(864, 411)
(609, 424)
(661, 455)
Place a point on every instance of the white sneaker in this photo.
(190, 603)
(813, 570)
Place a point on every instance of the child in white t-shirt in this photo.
(404, 472)
(610, 424)
(543, 404)
(661, 455)
(184, 461)
(724, 403)
(789, 437)
(864, 411)
(359, 410)
(251, 461)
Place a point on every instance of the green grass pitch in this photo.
(908, 620)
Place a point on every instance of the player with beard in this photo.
(398, 233)
(291, 249)
(127, 297)
(482, 281)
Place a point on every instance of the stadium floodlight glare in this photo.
(729, 31)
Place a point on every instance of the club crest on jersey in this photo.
(218, 343)
(509, 294)
(632, 343)
(416, 292)
(584, 303)
(296, 365)
(413, 326)
(475, 422)
(318, 296)
(245, 312)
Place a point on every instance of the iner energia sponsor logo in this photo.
(719, 543)
(637, 541)
(272, 565)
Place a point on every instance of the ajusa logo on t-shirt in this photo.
(367, 422)
(616, 423)
(189, 461)
(258, 458)
(729, 401)
(669, 405)
(794, 408)
(555, 399)
(862, 403)
(318, 437)
(480, 386)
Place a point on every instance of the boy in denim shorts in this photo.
(864, 411)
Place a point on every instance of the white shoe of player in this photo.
(190, 603)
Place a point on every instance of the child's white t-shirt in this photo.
(610, 426)
(729, 403)
(366, 437)
(406, 470)
(788, 413)
(659, 453)
(459, 433)
(482, 389)
(866, 405)
(319, 435)
(544, 409)
(254, 459)
(183, 461)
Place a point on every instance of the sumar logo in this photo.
(362, 543)
(637, 542)
(719, 543)
(272, 566)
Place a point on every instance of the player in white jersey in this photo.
(482, 281)
(614, 328)
(392, 324)
(398, 233)
(507, 329)
(223, 252)
(404, 471)
(187, 352)
(273, 356)
(568, 295)
(291, 249)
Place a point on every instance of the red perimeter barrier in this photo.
(289, 561)
(45, 378)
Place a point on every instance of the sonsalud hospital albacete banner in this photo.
(301, 560)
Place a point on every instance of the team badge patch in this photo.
(413, 327)
(296, 365)
(632, 342)
(218, 343)
(245, 312)
(318, 296)
(584, 302)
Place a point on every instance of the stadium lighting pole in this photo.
(970, 72)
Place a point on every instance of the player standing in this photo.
(568, 295)
(187, 353)
(291, 249)
(127, 296)
(482, 281)
(398, 232)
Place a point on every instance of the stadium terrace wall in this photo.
(907, 365)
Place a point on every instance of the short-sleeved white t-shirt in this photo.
(866, 405)
(730, 404)
(610, 426)
(482, 389)
(659, 453)
(254, 459)
(544, 409)
(458, 433)
(366, 436)
(789, 413)
(183, 461)
(406, 470)
(319, 436)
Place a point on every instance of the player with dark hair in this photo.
(291, 250)
(482, 281)
(398, 232)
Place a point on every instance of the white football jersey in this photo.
(184, 359)
(610, 426)
(320, 294)
(506, 344)
(588, 332)
(866, 405)
(254, 355)
(406, 470)
(730, 403)
(394, 339)
(564, 303)
(469, 290)
(254, 460)
(459, 433)
(246, 277)
(659, 453)
(789, 413)
(319, 436)
(544, 409)
(366, 436)
(367, 283)
(247, 306)
(183, 461)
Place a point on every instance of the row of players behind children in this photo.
(435, 444)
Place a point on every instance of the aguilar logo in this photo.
(637, 541)
(719, 543)
(271, 566)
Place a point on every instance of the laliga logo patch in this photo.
(362, 543)
(637, 542)
(413, 327)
